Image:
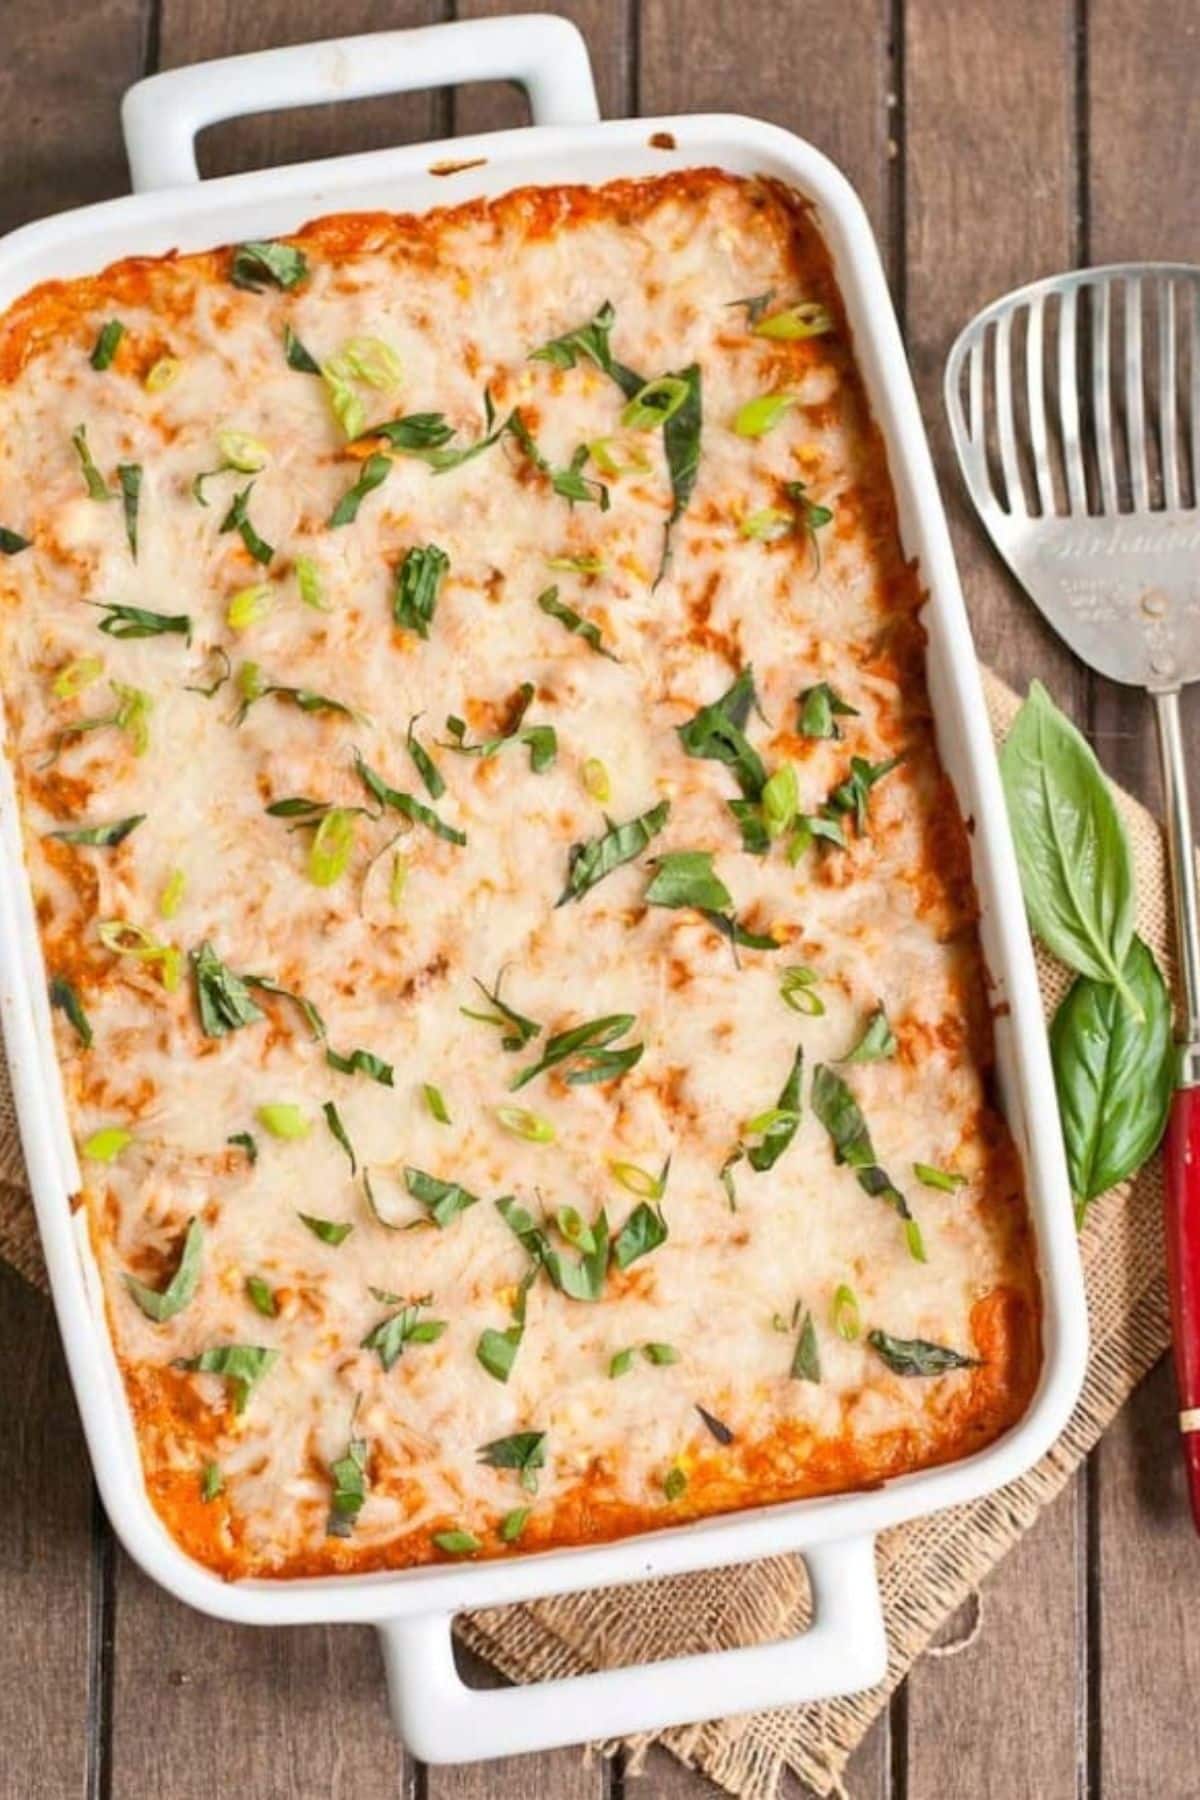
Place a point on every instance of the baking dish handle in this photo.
(546, 54)
(442, 1720)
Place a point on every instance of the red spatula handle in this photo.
(1182, 1172)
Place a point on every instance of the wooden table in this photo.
(991, 143)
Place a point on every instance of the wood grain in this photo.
(607, 27)
(555, 1775)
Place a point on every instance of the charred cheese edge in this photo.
(330, 1461)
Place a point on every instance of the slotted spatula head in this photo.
(1074, 405)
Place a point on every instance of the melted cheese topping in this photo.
(462, 298)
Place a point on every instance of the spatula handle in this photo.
(1183, 1273)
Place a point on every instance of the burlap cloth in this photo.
(926, 1569)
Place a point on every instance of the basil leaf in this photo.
(362, 1062)
(838, 1111)
(391, 1335)
(405, 804)
(102, 836)
(717, 733)
(591, 861)
(574, 622)
(297, 356)
(681, 441)
(944, 1180)
(12, 543)
(1114, 1072)
(245, 1142)
(262, 1296)
(1073, 854)
(541, 740)
(417, 582)
(349, 1477)
(738, 934)
(129, 477)
(242, 1365)
(64, 997)
(95, 483)
(781, 1123)
(221, 659)
(580, 1280)
(586, 1046)
(457, 1543)
(443, 1200)
(755, 305)
(853, 794)
(105, 347)
(570, 483)
(255, 688)
(333, 1119)
(496, 1351)
(675, 1482)
(299, 806)
(375, 472)
(238, 519)
(806, 1359)
(136, 622)
(223, 998)
(590, 341)
(716, 1426)
(312, 1017)
(262, 262)
(687, 878)
(425, 766)
(524, 1451)
(643, 1231)
(330, 1231)
(415, 431)
(518, 1030)
(916, 1356)
(818, 710)
(182, 1286)
(877, 1042)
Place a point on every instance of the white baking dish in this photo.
(844, 1649)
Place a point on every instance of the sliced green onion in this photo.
(519, 1122)
(76, 676)
(577, 565)
(595, 779)
(435, 1102)
(369, 359)
(600, 451)
(161, 374)
(398, 878)
(575, 1228)
(283, 1119)
(796, 986)
(808, 318)
(105, 347)
(212, 1482)
(661, 1355)
(914, 1240)
(945, 1180)
(242, 452)
(639, 1181)
(621, 1364)
(332, 847)
(312, 588)
(457, 1543)
(768, 524)
(123, 938)
(513, 1524)
(780, 801)
(846, 1321)
(250, 605)
(171, 897)
(262, 1296)
(107, 1143)
(675, 1482)
(774, 1115)
(655, 403)
(761, 415)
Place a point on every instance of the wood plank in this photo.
(970, 71)
(554, 1775)
(1143, 135)
(663, 1777)
(48, 1561)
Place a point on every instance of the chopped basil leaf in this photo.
(105, 347)
(102, 836)
(333, 1119)
(262, 262)
(262, 1296)
(806, 1360)
(717, 1426)
(415, 431)
(252, 687)
(591, 861)
(390, 1336)
(541, 740)
(245, 1142)
(517, 1029)
(810, 516)
(64, 997)
(11, 542)
(877, 1043)
(726, 1174)
(574, 622)
(818, 711)
(242, 1365)
(496, 1350)
(375, 472)
(330, 1231)
(590, 341)
(620, 1364)
(349, 1477)
(425, 766)
(916, 1356)
(524, 1451)
(681, 441)
(97, 487)
(237, 519)
(136, 622)
(661, 1355)
(675, 1482)
(457, 1543)
(417, 582)
(297, 356)
(362, 1062)
(945, 1180)
(777, 1128)
(513, 1524)
(221, 658)
(643, 1231)
(212, 1482)
(717, 733)
(570, 483)
(182, 1286)
(405, 804)
(838, 1111)
(587, 1048)
(755, 305)
(442, 1200)
(846, 1321)
(580, 1280)
(853, 794)
(129, 475)
(687, 878)
(312, 1017)
(223, 998)
(436, 1102)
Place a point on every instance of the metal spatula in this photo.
(1075, 409)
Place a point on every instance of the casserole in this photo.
(845, 1646)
